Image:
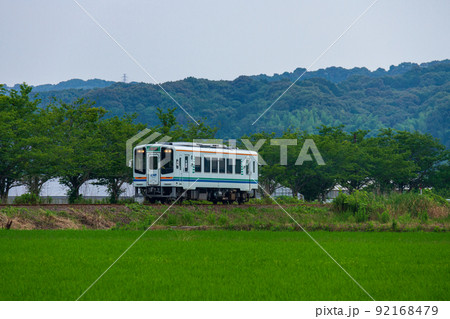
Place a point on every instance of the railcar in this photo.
(212, 172)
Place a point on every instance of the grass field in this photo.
(311, 216)
(223, 265)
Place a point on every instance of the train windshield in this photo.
(139, 161)
(166, 161)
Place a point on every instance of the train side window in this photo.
(207, 167)
(186, 162)
(229, 166)
(238, 166)
(198, 164)
(166, 161)
(222, 165)
(214, 162)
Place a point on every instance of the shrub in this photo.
(129, 200)
(394, 225)
(361, 203)
(288, 200)
(30, 199)
(82, 200)
(187, 218)
(261, 201)
(384, 218)
(434, 197)
(409, 203)
(171, 219)
(211, 219)
(339, 203)
(361, 215)
(222, 220)
(423, 216)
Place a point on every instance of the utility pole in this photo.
(124, 78)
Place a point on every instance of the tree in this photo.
(78, 143)
(16, 112)
(167, 119)
(40, 159)
(270, 172)
(347, 160)
(425, 151)
(439, 179)
(114, 172)
(170, 126)
(391, 168)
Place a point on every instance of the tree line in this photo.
(79, 142)
(389, 161)
(73, 142)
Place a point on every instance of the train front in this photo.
(150, 163)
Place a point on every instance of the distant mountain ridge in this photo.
(339, 74)
(70, 84)
(333, 74)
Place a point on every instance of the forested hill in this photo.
(406, 97)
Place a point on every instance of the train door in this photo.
(153, 171)
(253, 172)
(185, 170)
(248, 171)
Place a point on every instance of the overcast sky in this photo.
(49, 41)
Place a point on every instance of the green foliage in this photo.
(391, 160)
(222, 220)
(415, 99)
(385, 217)
(261, 201)
(73, 141)
(187, 218)
(360, 202)
(17, 128)
(434, 197)
(405, 207)
(288, 200)
(361, 215)
(27, 198)
(114, 172)
(394, 225)
(409, 203)
(76, 141)
(340, 202)
(423, 216)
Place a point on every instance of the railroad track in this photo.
(165, 205)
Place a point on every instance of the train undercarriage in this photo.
(153, 194)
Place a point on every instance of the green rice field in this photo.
(223, 265)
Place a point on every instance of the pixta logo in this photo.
(307, 152)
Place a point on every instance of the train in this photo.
(170, 171)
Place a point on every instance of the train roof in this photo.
(210, 148)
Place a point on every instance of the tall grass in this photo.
(368, 206)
